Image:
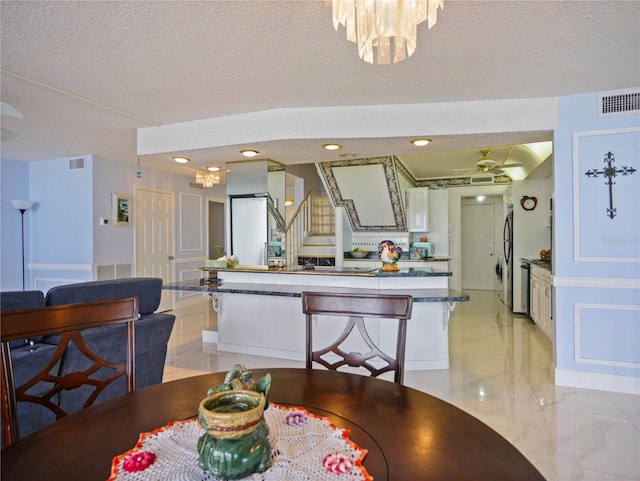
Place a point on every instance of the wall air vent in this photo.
(195, 185)
(76, 164)
(618, 103)
(114, 271)
(481, 179)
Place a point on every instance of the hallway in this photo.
(500, 372)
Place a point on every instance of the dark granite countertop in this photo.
(538, 262)
(419, 295)
(339, 271)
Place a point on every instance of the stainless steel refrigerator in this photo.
(507, 243)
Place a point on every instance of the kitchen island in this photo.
(260, 311)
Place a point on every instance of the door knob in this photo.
(170, 258)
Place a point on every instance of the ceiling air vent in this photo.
(618, 103)
(481, 179)
(195, 185)
(76, 164)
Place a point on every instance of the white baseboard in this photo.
(209, 335)
(261, 351)
(599, 382)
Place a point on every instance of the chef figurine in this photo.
(389, 254)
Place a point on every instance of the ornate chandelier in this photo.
(207, 179)
(373, 23)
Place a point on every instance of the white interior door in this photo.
(154, 239)
(478, 246)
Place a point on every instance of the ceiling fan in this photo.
(7, 110)
(486, 165)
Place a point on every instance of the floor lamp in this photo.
(22, 206)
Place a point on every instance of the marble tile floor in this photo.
(500, 372)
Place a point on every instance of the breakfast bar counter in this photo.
(260, 311)
(218, 287)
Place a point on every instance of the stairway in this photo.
(310, 234)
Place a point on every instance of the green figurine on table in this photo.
(235, 443)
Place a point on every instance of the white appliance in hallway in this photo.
(507, 268)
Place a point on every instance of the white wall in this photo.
(61, 228)
(14, 185)
(111, 244)
(531, 229)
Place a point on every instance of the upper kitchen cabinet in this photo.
(418, 209)
(428, 212)
(439, 226)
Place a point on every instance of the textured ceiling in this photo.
(85, 75)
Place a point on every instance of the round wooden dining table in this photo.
(409, 435)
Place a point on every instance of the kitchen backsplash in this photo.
(371, 244)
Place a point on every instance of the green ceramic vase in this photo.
(235, 444)
(236, 458)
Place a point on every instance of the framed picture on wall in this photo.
(122, 210)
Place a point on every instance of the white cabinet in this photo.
(439, 227)
(428, 211)
(540, 307)
(535, 294)
(417, 209)
(548, 313)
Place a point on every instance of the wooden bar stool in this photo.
(355, 307)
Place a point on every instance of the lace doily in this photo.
(304, 446)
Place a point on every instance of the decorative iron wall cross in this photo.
(610, 172)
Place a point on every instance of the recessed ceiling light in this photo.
(421, 142)
(181, 160)
(214, 168)
(331, 146)
(249, 152)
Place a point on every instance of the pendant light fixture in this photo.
(207, 179)
(374, 23)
